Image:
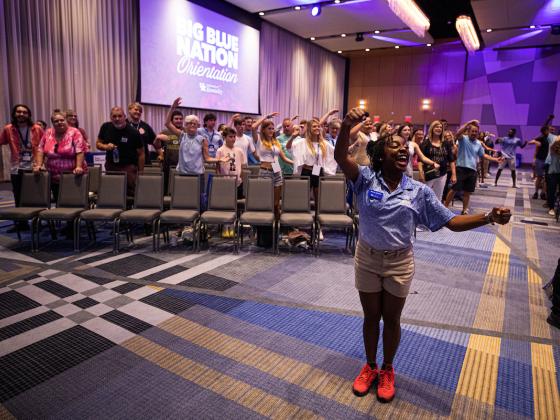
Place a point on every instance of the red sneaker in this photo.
(365, 379)
(386, 385)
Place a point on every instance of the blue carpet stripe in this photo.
(441, 361)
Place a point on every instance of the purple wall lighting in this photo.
(513, 89)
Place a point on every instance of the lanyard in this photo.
(24, 143)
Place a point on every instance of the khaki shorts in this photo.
(384, 270)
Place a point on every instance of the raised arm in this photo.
(349, 167)
(168, 124)
(325, 117)
(464, 127)
(465, 222)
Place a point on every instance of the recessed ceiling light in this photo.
(261, 13)
(343, 35)
(336, 1)
(340, 52)
(397, 47)
(532, 27)
(376, 31)
(297, 7)
(488, 30)
(428, 45)
(367, 49)
(312, 38)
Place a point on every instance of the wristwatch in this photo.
(488, 217)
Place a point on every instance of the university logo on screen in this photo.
(206, 52)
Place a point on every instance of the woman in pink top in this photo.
(64, 148)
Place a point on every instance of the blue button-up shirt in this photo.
(388, 219)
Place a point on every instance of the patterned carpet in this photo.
(217, 335)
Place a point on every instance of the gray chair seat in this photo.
(257, 218)
(335, 220)
(101, 214)
(217, 217)
(25, 213)
(296, 219)
(139, 215)
(65, 213)
(178, 216)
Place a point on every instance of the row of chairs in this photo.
(257, 209)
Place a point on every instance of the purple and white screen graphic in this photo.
(209, 60)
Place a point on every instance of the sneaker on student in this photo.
(321, 237)
(551, 212)
(386, 385)
(364, 380)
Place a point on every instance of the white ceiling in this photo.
(368, 15)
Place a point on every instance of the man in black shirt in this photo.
(146, 132)
(541, 152)
(123, 146)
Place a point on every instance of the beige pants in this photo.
(384, 270)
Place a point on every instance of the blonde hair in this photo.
(320, 139)
(268, 143)
(190, 118)
(135, 105)
(58, 112)
(431, 130)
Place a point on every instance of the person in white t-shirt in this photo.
(232, 167)
(244, 142)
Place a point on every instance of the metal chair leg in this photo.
(77, 234)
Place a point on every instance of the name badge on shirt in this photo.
(374, 195)
(276, 167)
(26, 156)
(124, 139)
(316, 170)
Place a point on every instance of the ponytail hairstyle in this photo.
(320, 139)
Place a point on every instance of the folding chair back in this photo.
(295, 195)
(332, 196)
(223, 195)
(260, 194)
(74, 191)
(149, 192)
(35, 190)
(186, 192)
(112, 192)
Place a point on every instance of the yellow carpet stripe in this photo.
(235, 390)
(287, 369)
(479, 373)
(545, 386)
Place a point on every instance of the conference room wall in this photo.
(82, 54)
(394, 82)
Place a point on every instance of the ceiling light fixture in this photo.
(489, 30)
(532, 27)
(397, 47)
(297, 8)
(336, 1)
(343, 35)
(466, 31)
(261, 13)
(428, 45)
(312, 38)
(409, 12)
(340, 52)
(316, 10)
(377, 31)
(367, 49)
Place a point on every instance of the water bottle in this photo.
(116, 155)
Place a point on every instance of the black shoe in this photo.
(543, 196)
(554, 320)
(535, 196)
